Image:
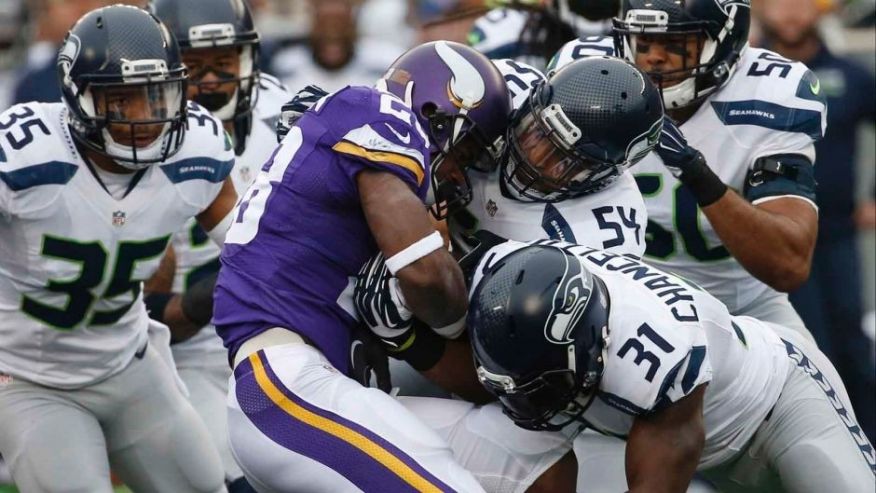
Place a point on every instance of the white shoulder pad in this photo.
(580, 48)
(204, 161)
(520, 78)
(37, 156)
(774, 104)
(496, 33)
(650, 363)
(272, 95)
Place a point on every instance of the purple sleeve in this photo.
(369, 136)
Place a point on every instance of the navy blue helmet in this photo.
(719, 26)
(581, 128)
(204, 25)
(538, 322)
(124, 85)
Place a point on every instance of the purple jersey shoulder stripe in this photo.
(389, 157)
(364, 458)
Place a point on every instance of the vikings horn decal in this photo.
(466, 88)
(570, 302)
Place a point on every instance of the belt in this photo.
(276, 336)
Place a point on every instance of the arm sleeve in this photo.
(200, 176)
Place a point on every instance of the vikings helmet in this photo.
(460, 99)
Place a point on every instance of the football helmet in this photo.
(207, 24)
(581, 129)
(720, 26)
(124, 86)
(538, 321)
(460, 99)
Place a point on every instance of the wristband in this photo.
(451, 331)
(423, 349)
(702, 182)
(415, 252)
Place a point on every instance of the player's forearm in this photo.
(661, 469)
(435, 290)
(455, 373)
(660, 461)
(775, 248)
(181, 328)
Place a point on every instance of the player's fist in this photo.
(292, 111)
(679, 157)
(381, 304)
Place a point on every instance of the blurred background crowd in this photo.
(333, 43)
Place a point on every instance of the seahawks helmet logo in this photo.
(570, 302)
(67, 58)
(725, 5)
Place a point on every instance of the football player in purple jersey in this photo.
(348, 181)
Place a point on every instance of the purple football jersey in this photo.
(300, 236)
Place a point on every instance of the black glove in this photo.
(292, 111)
(368, 356)
(673, 149)
(380, 303)
(688, 165)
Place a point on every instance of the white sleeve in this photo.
(5, 200)
(520, 78)
(653, 364)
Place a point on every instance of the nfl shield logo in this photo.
(245, 174)
(118, 218)
(492, 208)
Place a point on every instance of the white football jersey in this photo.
(196, 255)
(770, 106)
(72, 257)
(496, 34)
(613, 218)
(665, 338)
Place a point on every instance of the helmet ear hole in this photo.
(428, 109)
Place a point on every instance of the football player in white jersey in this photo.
(569, 146)
(220, 47)
(571, 336)
(564, 176)
(749, 120)
(532, 31)
(92, 190)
